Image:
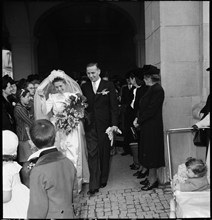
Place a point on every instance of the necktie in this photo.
(94, 87)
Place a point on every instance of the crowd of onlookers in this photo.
(140, 97)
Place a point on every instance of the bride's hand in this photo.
(41, 93)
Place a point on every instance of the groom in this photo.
(102, 113)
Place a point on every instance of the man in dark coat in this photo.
(102, 113)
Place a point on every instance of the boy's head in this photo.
(196, 167)
(42, 133)
(10, 143)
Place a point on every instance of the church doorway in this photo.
(71, 35)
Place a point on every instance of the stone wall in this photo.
(175, 42)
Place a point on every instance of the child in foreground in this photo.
(194, 178)
(53, 183)
(15, 194)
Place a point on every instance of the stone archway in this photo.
(71, 35)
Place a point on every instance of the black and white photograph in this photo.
(105, 109)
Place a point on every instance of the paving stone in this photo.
(141, 216)
(113, 216)
(107, 210)
(132, 215)
(148, 216)
(145, 208)
(130, 206)
(128, 191)
(114, 207)
(116, 212)
(131, 210)
(155, 216)
(108, 213)
(129, 202)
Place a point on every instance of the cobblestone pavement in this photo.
(126, 203)
(127, 200)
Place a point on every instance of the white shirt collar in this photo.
(37, 153)
(97, 82)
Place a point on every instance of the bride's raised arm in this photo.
(46, 105)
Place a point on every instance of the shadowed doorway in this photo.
(70, 36)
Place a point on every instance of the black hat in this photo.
(150, 70)
(139, 73)
(208, 69)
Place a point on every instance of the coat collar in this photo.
(49, 156)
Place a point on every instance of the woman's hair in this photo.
(5, 80)
(58, 79)
(198, 167)
(21, 93)
(42, 133)
(137, 74)
(154, 77)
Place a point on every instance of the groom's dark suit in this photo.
(102, 113)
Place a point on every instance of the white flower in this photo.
(56, 73)
(103, 92)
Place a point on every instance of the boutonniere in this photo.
(103, 92)
(31, 165)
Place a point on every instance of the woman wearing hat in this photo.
(151, 150)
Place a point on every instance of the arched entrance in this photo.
(71, 35)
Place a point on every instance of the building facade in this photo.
(173, 35)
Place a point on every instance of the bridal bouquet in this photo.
(73, 112)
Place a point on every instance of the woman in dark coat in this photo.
(151, 152)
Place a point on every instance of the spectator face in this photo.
(36, 86)
(60, 86)
(147, 80)
(190, 173)
(14, 89)
(93, 73)
(132, 81)
(8, 89)
(31, 89)
(25, 99)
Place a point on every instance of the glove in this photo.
(195, 127)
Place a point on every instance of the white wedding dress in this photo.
(72, 145)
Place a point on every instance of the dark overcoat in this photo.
(151, 147)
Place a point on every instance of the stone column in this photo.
(174, 43)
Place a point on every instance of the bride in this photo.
(49, 100)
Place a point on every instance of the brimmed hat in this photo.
(10, 143)
(150, 70)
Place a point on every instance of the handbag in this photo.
(200, 138)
